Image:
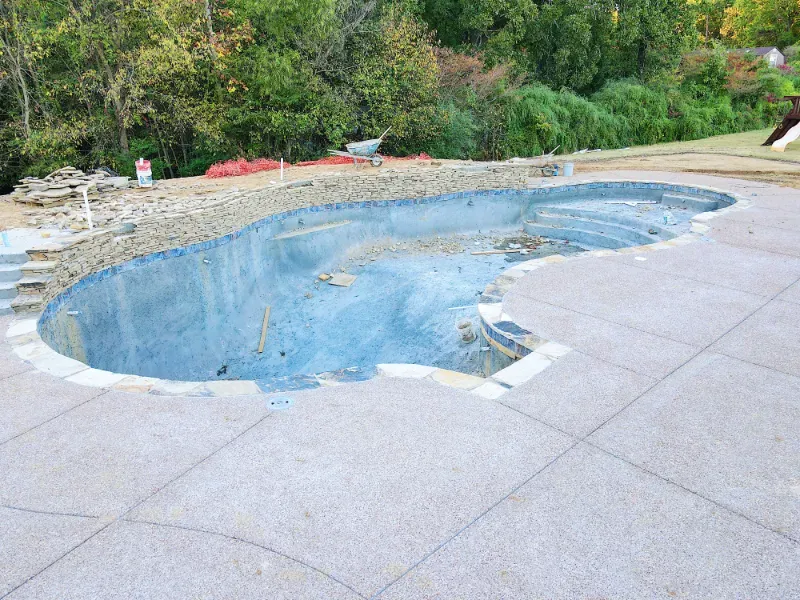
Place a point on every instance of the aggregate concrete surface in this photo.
(660, 459)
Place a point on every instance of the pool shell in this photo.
(531, 353)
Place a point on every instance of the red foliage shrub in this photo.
(328, 160)
(230, 168)
(458, 71)
(241, 166)
(742, 75)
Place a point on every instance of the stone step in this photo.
(8, 289)
(10, 272)
(633, 236)
(588, 239)
(38, 266)
(9, 256)
(5, 307)
(27, 302)
(34, 282)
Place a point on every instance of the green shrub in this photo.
(460, 133)
(539, 119)
(641, 111)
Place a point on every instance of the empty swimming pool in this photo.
(419, 266)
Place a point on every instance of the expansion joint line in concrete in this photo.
(538, 420)
(692, 357)
(747, 246)
(585, 440)
(612, 322)
(137, 504)
(659, 382)
(644, 470)
(751, 224)
(4, 377)
(728, 509)
(755, 364)
(475, 520)
(641, 468)
(250, 543)
(53, 418)
(48, 512)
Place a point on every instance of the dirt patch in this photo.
(756, 169)
(11, 215)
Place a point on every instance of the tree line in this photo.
(186, 83)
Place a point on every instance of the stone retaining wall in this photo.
(64, 265)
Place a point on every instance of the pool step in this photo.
(582, 237)
(34, 282)
(699, 204)
(12, 257)
(632, 236)
(614, 218)
(10, 273)
(8, 290)
(35, 275)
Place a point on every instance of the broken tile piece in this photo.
(342, 279)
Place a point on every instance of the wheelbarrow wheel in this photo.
(376, 161)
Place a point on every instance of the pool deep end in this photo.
(197, 316)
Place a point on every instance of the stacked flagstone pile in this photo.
(64, 185)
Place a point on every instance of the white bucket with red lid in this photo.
(143, 173)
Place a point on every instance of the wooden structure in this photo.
(791, 119)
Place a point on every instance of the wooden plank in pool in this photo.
(264, 326)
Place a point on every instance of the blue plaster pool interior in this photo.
(196, 313)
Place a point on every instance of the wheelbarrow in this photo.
(366, 150)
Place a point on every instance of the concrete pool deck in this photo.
(659, 458)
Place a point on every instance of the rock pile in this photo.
(64, 185)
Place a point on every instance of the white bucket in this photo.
(143, 173)
(568, 167)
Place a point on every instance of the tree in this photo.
(650, 36)
(709, 18)
(475, 23)
(567, 44)
(750, 23)
(395, 80)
